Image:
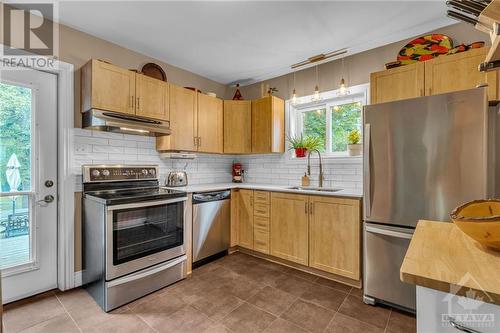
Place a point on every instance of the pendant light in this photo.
(294, 94)
(316, 96)
(343, 87)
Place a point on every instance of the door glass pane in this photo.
(14, 230)
(345, 118)
(15, 174)
(139, 232)
(314, 124)
(15, 138)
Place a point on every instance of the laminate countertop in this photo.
(352, 193)
(443, 258)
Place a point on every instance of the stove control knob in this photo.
(144, 172)
(95, 173)
(152, 172)
(105, 172)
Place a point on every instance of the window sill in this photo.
(335, 159)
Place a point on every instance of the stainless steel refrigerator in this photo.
(422, 158)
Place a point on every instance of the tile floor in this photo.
(237, 293)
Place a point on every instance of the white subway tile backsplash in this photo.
(95, 147)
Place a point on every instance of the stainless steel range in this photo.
(133, 233)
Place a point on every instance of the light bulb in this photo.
(294, 97)
(343, 88)
(316, 96)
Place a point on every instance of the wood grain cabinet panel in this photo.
(235, 199)
(334, 236)
(261, 241)
(237, 127)
(459, 72)
(268, 125)
(210, 124)
(183, 120)
(107, 87)
(245, 219)
(289, 227)
(152, 98)
(397, 83)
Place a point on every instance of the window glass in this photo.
(314, 124)
(345, 118)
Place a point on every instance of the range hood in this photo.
(96, 119)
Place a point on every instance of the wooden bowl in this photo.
(480, 220)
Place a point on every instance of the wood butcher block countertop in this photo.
(442, 257)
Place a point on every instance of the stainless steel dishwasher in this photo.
(211, 225)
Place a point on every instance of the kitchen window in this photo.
(331, 119)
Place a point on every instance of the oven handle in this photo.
(146, 272)
(147, 204)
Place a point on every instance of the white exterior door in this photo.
(28, 181)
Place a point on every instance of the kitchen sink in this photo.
(319, 189)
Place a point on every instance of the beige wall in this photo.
(357, 67)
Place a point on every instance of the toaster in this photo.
(177, 178)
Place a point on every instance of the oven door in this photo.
(143, 234)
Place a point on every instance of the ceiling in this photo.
(249, 41)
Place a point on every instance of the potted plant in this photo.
(298, 144)
(354, 147)
(313, 142)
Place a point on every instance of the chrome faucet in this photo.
(321, 178)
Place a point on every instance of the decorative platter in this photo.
(153, 70)
(425, 48)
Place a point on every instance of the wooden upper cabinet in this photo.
(245, 219)
(458, 72)
(152, 97)
(210, 124)
(107, 87)
(182, 121)
(334, 236)
(397, 83)
(237, 127)
(289, 227)
(268, 125)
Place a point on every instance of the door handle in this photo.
(366, 171)
(46, 199)
(386, 232)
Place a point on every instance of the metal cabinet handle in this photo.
(461, 327)
(311, 208)
(366, 166)
(138, 103)
(199, 141)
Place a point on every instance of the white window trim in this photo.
(329, 98)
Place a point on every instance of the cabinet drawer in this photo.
(261, 222)
(261, 197)
(261, 210)
(261, 241)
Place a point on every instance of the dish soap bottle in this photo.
(305, 180)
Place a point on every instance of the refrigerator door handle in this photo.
(388, 232)
(366, 171)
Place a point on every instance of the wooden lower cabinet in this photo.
(245, 218)
(234, 234)
(289, 227)
(334, 235)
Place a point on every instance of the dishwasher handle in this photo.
(211, 196)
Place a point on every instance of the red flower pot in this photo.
(300, 152)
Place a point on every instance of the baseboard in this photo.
(78, 279)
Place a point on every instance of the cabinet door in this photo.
(182, 121)
(289, 227)
(237, 127)
(152, 97)
(210, 122)
(113, 88)
(235, 200)
(268, 125)
(458, 72)
(245, 219)
(397, 83)
(334, 236)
